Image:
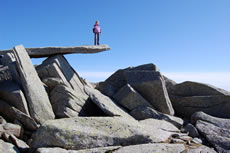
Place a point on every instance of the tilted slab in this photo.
(39, 105)
(49, 51)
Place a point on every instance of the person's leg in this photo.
(95, 38)
(98, 39)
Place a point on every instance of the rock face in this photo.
(58, 67)
(215, 130)
(130, 98)
(37, 98)
(66, 102)
(217, 105)
(12, 93)
(89, 132)
(151, 86)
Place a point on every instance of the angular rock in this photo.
(2, 120)
(49, 51)
(39, 105)
(220, 122)
(217, 105)
(12, 93)
(130, 98)
(152, 148)
(151, 86)
(169, 83)
(5, 73)
(7, 147)
(142, 113)
(11, 129)
(21, 145)
(90, 132)
(58, 67)
(189, 88)
(218, 137)
(14, 114)
(107, 105)
(66, 102)
(117, 80)
(52, 82)
(192, 131)
(93, 150)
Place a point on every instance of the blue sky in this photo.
(186, 39)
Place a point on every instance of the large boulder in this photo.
(117, 80)
(217, 136)
(66, 102)
(90, 132)
(151, 86)
(12, 93)
(142, 113)
(189, 88)
(217, 105)
(39, 105)
(130, 98)
(58, 67)
(106, 104)
(6, 147)
(215, 130)
(152, 148)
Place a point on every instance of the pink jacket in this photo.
(97, 28)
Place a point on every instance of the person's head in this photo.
(97, 22)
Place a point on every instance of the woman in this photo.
(97, 33)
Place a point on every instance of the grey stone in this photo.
(200, 149)
(130, 98)
(49, 51)
(169, 83)
(142, 113)
(7, 147)
(5, 73)
(10, 128)
(151, 86)
(117, 80)
(66, 102)
(20, 144)
(189, 88)
(217, 136)
(58, 67)
(13, 114)
(2, 120)
(191, 130)
(220, 122)
(106, 104)
(90, 132)
(12, 93)
(39, 105)
(152, 148)
(93, 150)
(160, 124)
(52, 82)
(217, 105)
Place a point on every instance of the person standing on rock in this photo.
(97, 33)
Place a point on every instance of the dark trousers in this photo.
(96, 38)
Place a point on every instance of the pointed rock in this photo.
(151, 86)
(36, 96)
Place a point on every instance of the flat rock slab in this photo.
(49, 51)
(7, 147)
(90, 132)
(152, 148)
(39, 105)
